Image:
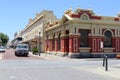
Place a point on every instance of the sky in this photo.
(15, 14)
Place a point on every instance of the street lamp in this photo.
(39, 43)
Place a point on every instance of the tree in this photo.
(4, 38)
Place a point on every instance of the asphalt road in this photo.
(31, 68)
(52, 70)
(9, 55)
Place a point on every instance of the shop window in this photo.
(107, 39)
(84, 38)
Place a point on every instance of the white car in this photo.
(2, 49)
(22, 50)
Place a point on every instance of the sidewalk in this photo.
(49, 56)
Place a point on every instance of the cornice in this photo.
(57, 26)
(34, 21)
(111, 23)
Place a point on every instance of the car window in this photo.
(1, 47)
(22, 46)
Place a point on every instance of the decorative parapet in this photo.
(32, 21)
(118, 15)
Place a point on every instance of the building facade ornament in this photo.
(82, 32)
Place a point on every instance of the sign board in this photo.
(101, 44)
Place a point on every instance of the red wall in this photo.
(95, 47)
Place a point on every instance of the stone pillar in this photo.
(62, 44)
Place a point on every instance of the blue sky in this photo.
(15, 14)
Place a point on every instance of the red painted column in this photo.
(71, 44)
(114, 43)
(99, 49)
(56, 45)
(49, 45)
(65, 44)
(74, 44)
(62, 44)
(95, 44)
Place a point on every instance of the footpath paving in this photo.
(49, 56)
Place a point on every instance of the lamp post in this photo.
(39, 43)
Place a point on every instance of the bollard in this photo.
(103, 60)
(106, 65)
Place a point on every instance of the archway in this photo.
(107, 39)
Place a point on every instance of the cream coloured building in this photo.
(82, 33)
(33, 34)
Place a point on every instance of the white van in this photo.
(22, 50)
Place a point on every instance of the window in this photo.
(107, 39)
(84, 38)
(84, 17)
(75, 30)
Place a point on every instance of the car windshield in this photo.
(22, 46)
(1, 47)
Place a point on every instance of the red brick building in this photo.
(81, 34)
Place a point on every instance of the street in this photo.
(33, 68)
(9, 55)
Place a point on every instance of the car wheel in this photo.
(26, 55)
(16, 54)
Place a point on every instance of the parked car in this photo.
(2, 49)
(22, 50)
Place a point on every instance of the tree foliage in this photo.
(4, 38)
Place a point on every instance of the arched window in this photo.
(53, 43)
(107, 39)
(85, 17)
(59, 41)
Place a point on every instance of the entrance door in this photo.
(67, 44)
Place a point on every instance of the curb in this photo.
(48, 56)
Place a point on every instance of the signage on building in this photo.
(101, 44)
